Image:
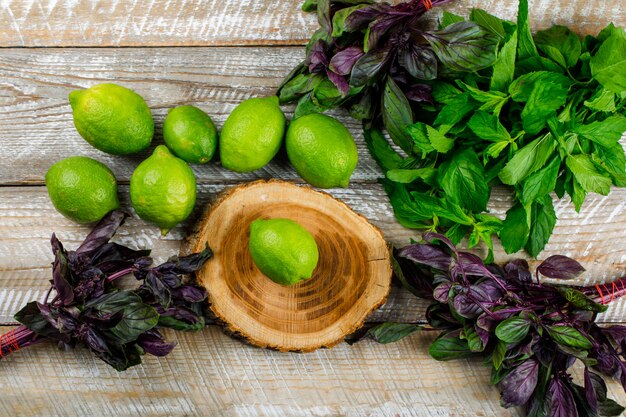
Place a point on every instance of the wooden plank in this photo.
(209, 373)
(232, 22)
(36, 117)
(27, 219)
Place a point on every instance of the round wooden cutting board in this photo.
(352, 277)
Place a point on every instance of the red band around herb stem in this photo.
(611, 292)
(428, 4)
(10, 339)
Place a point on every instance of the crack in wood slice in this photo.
(351, 280)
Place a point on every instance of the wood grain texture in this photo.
(224, 377)
(27, 219)
(232, 22)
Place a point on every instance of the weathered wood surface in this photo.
(210, 374)
(27, 219)
(230, 22)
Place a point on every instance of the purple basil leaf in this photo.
(191, 263)
(344, 60)
(368, 66)
(561, 399)
(419, 61)
(158, 288)
(90, 284)
(153, 343)
(340, 82)
(518, 270)
(466, 306)
(440, 317)
(93, 339)
(432, 236)
(415, 278)
(441, 292)
(607, 363)
(317, 59)
(595, 389)
(171, 280)
(379, 28)
(189, 293)
(487, 291)
(419, 93)
(617, 333)
(181, 313)
(425, 254)
(66, 322)
(561, 267)
(473, 265)
(518, 386)
(48, 314)
(105, 321)
(61, 274)
(483, 334)
(103, 232)
(361, 18)
(106, 256)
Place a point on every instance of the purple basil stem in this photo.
(519, 385)
(344, 60)
(430, 255)
(103, 232)
(561, 399)
(153, 343)
(561, 267)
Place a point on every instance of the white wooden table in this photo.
(214, 54)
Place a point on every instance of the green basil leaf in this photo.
(495, 149)
(444, 92)
(448, 18)
(587, 175)
(392, 332)
(381, 150)
(516, 229)
(560, 44)
(492, 100)
(457, 232)
(613, 161)
(138, 318)
(174, 323)
(447, 347)
(580, 300)
(463, 46)
(504, 67)
(522, 87)
(606, 133)
(540, 183)
(31, 317)
(525, 44)
(542, 103)
(439, 141)
(306, 105)
(607, 65)
(474, 342)
(499, 352)
(339, 19)
(537, 63)
(368, 67)
(463, 180)
(569, 336)
(488, 127)
(578, 194)
(298, 86)
(512, 330)
(488, 21)
(407, 176)
(421, 141)
(527, 160)
(603, 100)
(455, 110)
(397, 115)
(406, 210)
(543, 220)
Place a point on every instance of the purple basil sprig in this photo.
(117, 325)
(529, 332)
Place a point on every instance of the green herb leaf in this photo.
(613, 161)
(474, 342)
(522, 87)
(439, 141)
(541, 182)
(606, 133)
(580, 300)
(513, 330)
(560, 44)
(499, 352)
(603, 100)
(407, 176)
(504, 67)
(488, 127)
(463, 46)
(527, 160)
(569, 336)
(448, 18)
(544, 100)
(381, 150)
(607, 65)
(587, 175)
(397, 115)
(463, 180)
(447, 347)
(525, 44)
(392, 332)
(542, 222)
(516, 229)
(339, 19)
(455, 110)
(488, 21)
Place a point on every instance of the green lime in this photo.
(112, 118)
(190, 134)
(82, 189)
(252, 134)
(283, 250)
(321, 150)
(163, 189)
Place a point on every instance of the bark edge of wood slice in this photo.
(351, 280)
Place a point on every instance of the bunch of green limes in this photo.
(118, 121)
